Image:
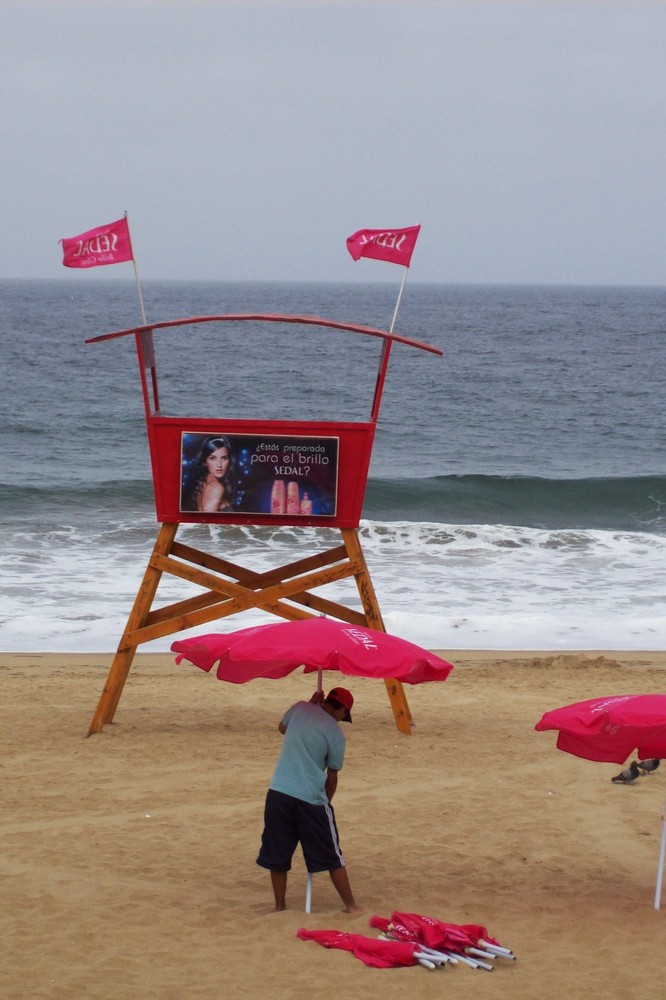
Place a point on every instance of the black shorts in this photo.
(288, 821)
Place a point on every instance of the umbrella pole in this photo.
(308, 884)
(660, 867)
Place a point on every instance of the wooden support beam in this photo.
(249, 577)
(122, 661)
(366, 590)
(238, 598)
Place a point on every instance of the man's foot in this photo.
(354, 908)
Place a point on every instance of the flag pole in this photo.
(386, 350)
(397, 305)
(136, 275)
(146, 336)
(402, 288)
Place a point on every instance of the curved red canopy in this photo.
(277, 649)
(611, 729)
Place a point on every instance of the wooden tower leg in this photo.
(396, 693)
(122, 661)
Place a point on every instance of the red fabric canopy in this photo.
(431, 932)
(612, 728)
(277, 649)
(376, 952)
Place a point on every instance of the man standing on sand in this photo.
(298, 803)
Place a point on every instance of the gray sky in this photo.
(248, 140)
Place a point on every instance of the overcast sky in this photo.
(248, 140)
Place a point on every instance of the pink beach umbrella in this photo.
(469, 942)
(316, 644)
(435, 933)
(401, 945)
(612, 729)
(375, 952)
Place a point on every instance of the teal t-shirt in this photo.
(312, 743)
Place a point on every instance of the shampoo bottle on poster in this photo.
(278, 497)
(306, 504)
(293, 499)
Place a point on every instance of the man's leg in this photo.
(340, 880)
(321, 849)
(279, 883)
(278, 842)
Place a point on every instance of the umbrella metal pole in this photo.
(660, 867)
(308, 893)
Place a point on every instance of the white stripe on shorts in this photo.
(334, 836)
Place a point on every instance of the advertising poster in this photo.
(259, 474)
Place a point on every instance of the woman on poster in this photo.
(209, 485)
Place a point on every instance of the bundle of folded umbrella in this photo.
(415, 939)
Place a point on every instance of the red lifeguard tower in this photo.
(296, 473)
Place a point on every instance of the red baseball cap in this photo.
(344, 698)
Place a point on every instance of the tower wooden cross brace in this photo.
(285, 591)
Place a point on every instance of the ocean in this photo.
(517, 490)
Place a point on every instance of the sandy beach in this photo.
(128, 858)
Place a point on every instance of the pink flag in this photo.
(394, 245)
(108, 244)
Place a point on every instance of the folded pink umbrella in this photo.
(376, 952)
(461, 939)
(316, 644)
(413, 942)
